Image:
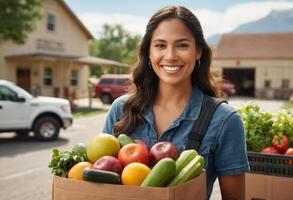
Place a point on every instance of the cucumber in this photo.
(124, 139)
(184, 158)
(101, 176)
(160, 174)
(190, 171)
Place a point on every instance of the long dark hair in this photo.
(145, 82)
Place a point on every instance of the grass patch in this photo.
(82, 112)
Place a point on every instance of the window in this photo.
(106, 81)
(48, 76)
(121, 81)
(51, 22)
(267, 84)
(74, 77)
(7, 94)
(285, 83)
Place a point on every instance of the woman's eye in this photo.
(182, 45)
(160, 45)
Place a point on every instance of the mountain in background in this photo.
(276, 21)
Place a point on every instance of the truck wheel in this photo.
(106, 98)
(47, 128)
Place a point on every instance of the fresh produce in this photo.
(270, 150)
(134, 174)
(258, 127)
(133, 153)
(103, 161)
(138, 141)
(101, 176)
(280, 143)
(162, 150)
(124, 140)
(184, 158)
(76, 171)
(264, 129)
(62, 161)
(160, 174)
(283, 124)
(190, 171)
(108, 163)
(79, 148)
(102, 145)
(289, 152)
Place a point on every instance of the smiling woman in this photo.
(171, 83)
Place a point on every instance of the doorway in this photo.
(23, 78)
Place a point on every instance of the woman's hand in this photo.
(232, 187)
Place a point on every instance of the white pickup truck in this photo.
(21, 113)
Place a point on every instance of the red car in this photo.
(111, 86)
(228, 89)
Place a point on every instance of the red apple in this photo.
(138, 141)
(162, 150)
(108, 163)
(133, 153)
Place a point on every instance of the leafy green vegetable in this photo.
(283, 124)
(258, 127)
(62, 161)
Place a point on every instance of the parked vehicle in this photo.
(111, 86)
(228, 89)
(20, 112)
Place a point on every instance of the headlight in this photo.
(66, 108)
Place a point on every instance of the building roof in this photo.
(88, 60)
(75, 18)
(268, 45)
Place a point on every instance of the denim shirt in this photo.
(223, 145)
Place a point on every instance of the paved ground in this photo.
(23, 169)
(266, 105)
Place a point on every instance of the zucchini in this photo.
(124, 139)
(101, 176)
(160, 174)
(184, 158)
(190, 171)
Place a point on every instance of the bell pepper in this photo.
(280, 143)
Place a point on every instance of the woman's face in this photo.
(173, 52)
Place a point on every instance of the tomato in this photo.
(280, 143)
(270, 150)
(133, 153)
(289, 152)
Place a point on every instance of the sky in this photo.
(216, 16)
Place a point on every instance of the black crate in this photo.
(270, 164)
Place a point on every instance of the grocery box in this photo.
(270, 177)
(270, 164)
(64, 189)
(266, 187)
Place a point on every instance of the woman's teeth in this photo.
(171, 69)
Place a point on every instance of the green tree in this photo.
(116, 44)
(18, 17)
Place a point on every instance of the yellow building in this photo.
(55, 59)
(260, 65)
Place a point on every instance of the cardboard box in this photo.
(67, 189)
(266, 187)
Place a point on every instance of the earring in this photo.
(150, 65)
(198, 62)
